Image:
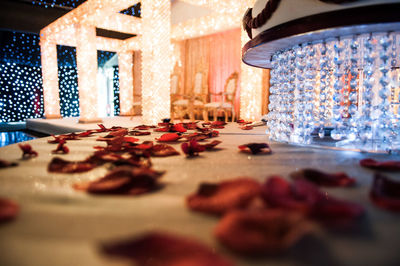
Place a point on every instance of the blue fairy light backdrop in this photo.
(21, 90)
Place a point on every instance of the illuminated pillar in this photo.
(125, 62)
(156, 60)
(50, 78)
(250, 89)
(86, 59)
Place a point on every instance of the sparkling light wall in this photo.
(126, 81)
(156, 60)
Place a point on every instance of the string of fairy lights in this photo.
(21, 88)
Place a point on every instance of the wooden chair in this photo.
(227, 99)
(193, 103)
(178, 107)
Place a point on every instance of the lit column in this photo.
(86, 59)
(50, 78)
(250, 89)
(156, 60)
(125, 62)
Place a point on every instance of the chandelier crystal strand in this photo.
(283, 95)
(310, 82)
(337, 121)
(385, 117)
(298, 136)
(324, 89)
(353, 84)
(274, 87)
(291, 77)
(368, 93)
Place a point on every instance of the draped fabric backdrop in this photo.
(218, 55)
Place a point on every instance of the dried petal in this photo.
(156, 249)
(130, 139)
(163, 150)
(8, 210)
(192, 148)
(261, 232)
(324, 179)
(255, 148)
(383, 166)
(385, 193)
(246, 127)
(190, 125)
(58, 165)
(178, 128)
(85, 134)
(225, 196)
(168, 137)
(143, 127)
(139, 133)
(196, 136)
(61, 148)
(212, 144)
(27, 150)
(5, 164)
(304, 197)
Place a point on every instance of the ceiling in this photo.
(33, 15)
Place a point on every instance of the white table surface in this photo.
(60, 226)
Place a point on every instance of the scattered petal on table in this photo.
(255, 148)
(225, 196)
(383, 166)
(178, 128)
(385, 193)
(246, 127)
(58, 165)
(324, 179)
(192, 148)
(5, 164)
(156, 249)
(8, 210)
(211, 145)
(27, 151)
(261, 232)
(163, 150)
(61, 148)
(139, 133)
(169, 137)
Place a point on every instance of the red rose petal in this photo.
(58, 165)
(190, 125)
(163, 150)
(139, 133)
(196, 136)
(168, 137)
(123, 180)
(85, 134)
(192, 148)
(324, 179)
(383, 166)
(385, 193)
(143, 127)
(261, 232)
(212, 144)
(178, 128)
(304, 197)
(27, 151)
(5, 164)
(130, 139)
(156, 249)
(246, 127)
(225, 196)
(255, 148)
(8, 210)
(61, 148)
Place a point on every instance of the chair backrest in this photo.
(198, 83)
(174, 84)
(230, 86)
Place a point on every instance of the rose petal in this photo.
(196, 136)
(168, 137)
(385, 193)
(163, 150)
(139, 133)
(5, 164)
(383, 166)
(85, 134)
(58, 165)
(61, 148)
(130, 139)
(27, 151)
(190, 125)
(212, 144)
(225, 196)
(143, 127)
(156, 249)
(255, 148)
(324, 179)
(8, 210)
(192, 148)
(261, 232)
(178, 128)
(246, 127)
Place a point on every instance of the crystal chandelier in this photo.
(334, 86)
